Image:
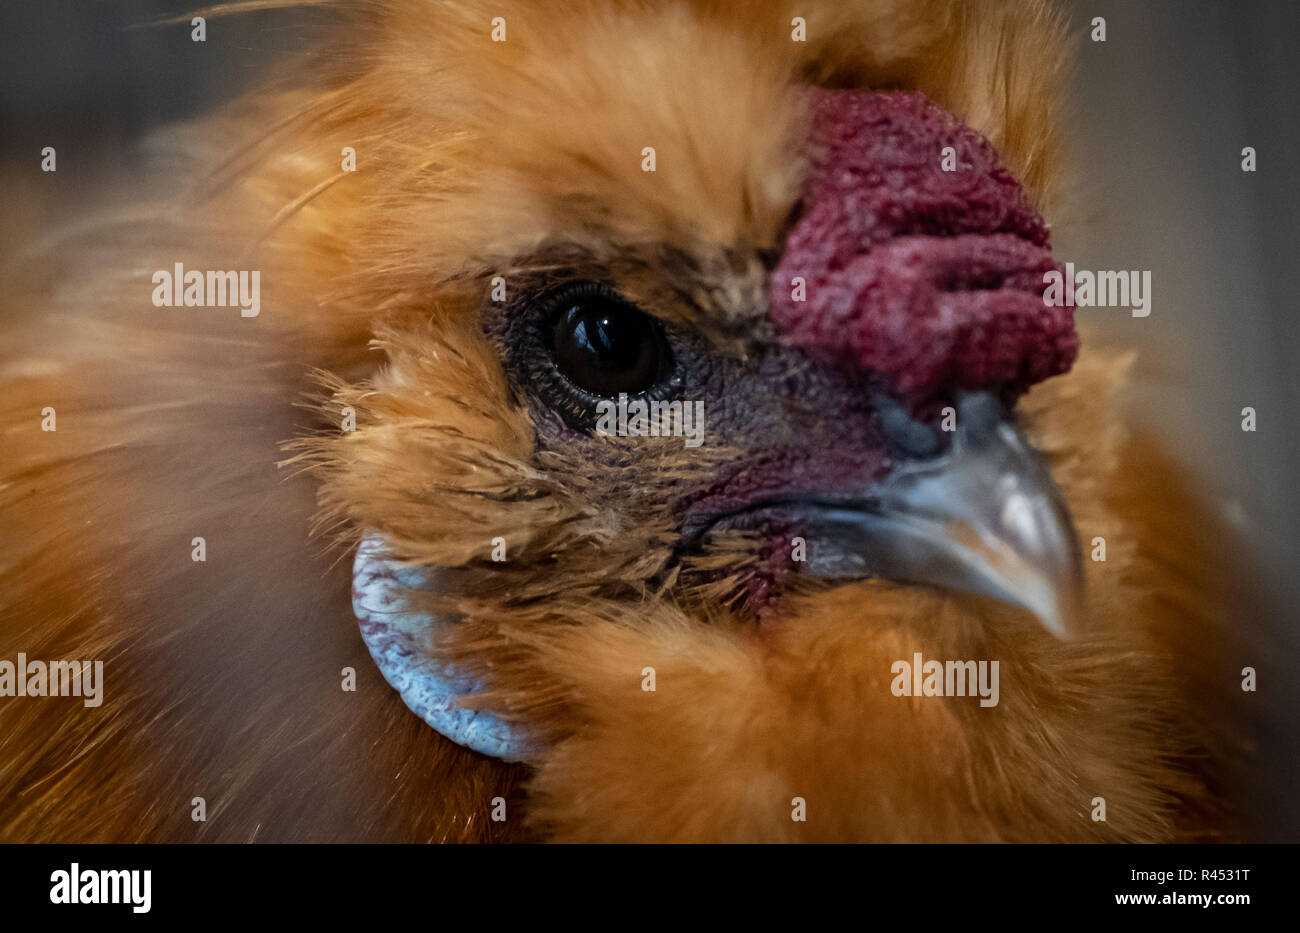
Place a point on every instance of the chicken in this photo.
(899, 456)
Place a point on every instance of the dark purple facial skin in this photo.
(809, 433)
(932, 280)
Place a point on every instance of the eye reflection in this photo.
(605, 346)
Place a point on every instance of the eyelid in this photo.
(581, 288)
(558, 300)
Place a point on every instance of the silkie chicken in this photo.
(819, 228)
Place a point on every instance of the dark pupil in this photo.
(606, 349)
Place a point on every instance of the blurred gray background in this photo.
(1161, 111)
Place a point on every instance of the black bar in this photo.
(328, 883)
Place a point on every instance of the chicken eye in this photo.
(605, 346)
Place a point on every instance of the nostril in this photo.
(911, 437)
(979, 414)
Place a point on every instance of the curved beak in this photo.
(982, 517)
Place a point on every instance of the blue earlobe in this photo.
(402, 644)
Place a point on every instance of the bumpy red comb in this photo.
(930, 279)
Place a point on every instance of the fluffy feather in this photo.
(475, 159)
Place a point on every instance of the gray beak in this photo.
(982, 517)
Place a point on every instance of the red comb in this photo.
(931, 279)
